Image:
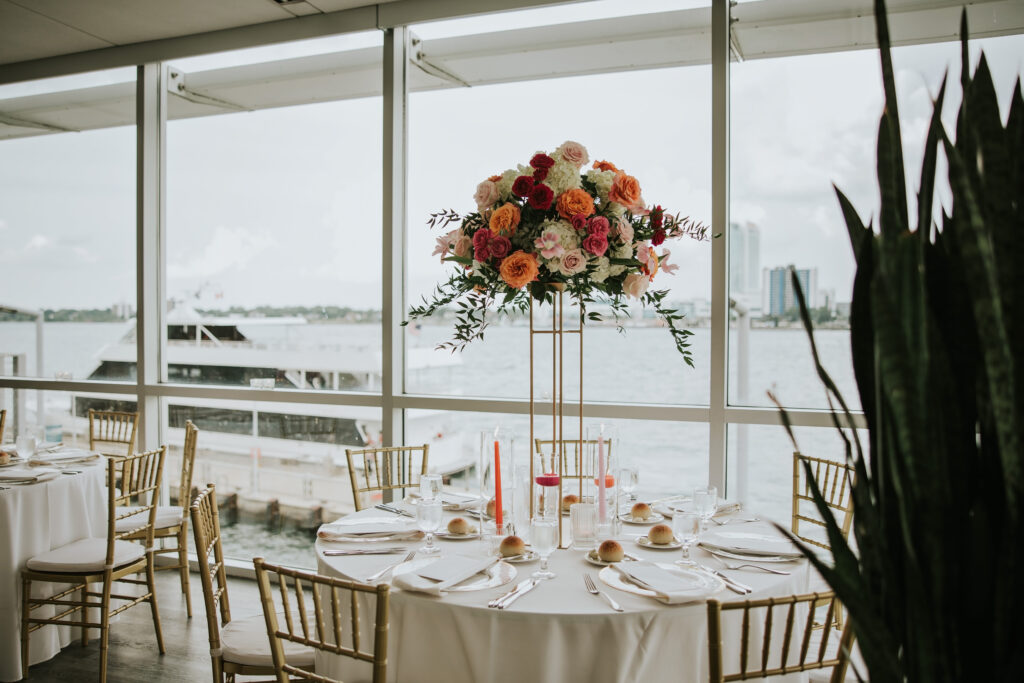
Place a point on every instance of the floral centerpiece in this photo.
(557, 225)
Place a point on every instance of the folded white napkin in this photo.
(454, 502)
(670, 588)
(753, 538)
(365, 528)
(668, 507)
(63, 456)
(442, 574)
(36, 474)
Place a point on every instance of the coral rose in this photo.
(635, 285)
(505, 219)
(606, 166)
(626, 191)
(522, 186)
(518, 269)
(598, 225)
(494, 178)
(573, 202)
(541, 197)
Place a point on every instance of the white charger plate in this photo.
(498, 574)
(749, 539)
(593, 558)
(653, 519)
(645, 542)
(528, 556)
(448, 536)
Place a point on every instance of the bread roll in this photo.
(660, 534)
(569, 499)
(459, 526)
(641, 511)
(512, 546)
(610, 551)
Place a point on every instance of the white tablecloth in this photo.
(557, 633)
(34, 519)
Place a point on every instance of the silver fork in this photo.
(728, 520)
(589, 583)
(382, 572)
(739, 565)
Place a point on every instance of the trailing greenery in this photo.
(934, 588)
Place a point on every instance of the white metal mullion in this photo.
(151, 126)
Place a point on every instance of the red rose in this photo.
(579, 221)
(542, 161)
(596, 244)
(657, 217)
(658, 237)
(541, 197)
(498, 247)
(522, 186)
(481, 239)
(540, 174)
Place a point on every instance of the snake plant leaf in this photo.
(926, 194)
(892, 111)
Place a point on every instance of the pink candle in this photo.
(547, 479)
(602, 509)
(497, 488)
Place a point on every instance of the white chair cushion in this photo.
(166, 516)
(245, 641)
(86, 555)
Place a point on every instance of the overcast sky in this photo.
(283, 206)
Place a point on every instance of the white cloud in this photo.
(38, 242)
(228, 249)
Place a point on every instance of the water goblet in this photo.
(705, 500)
(628, 478)
(430, 486)
(685, 525)
(428, 518)
(543, 538)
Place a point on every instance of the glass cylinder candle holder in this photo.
(600, 457)
(497, 480)
(547, 501)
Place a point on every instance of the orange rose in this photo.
(575, 202)
(494, 178)
(518, 268)
(606, 166)
(626, 191)
(505, 220)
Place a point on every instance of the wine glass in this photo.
(543, 537)
(430, 486)
(428, 518)
(705, 500)
(685, 525)
(628, 478)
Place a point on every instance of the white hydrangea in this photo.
(622, 251)
(602, 181)
(602, 269)
(567, 235)
(615, 209)
(508, 178)
(561, 177)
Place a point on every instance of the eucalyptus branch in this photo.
(681, 336)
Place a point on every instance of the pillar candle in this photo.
(497, 488)
(602, 509)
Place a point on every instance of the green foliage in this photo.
(934, 589)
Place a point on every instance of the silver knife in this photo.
(375, 551)
(512, 598)
(397, 511)
(520, 586)
(732, 584)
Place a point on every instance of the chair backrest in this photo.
(384, 469)
(312, 610)
(3, 419)
(133, 490)
(834, 480)
(112, 432)
(188, 461)
(783, 641)
(577, 462)
(206, 531)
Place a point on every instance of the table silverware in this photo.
(382, 572)
(740, 565)
(398, 511)
(591, 588)
(519, 586)
(734, 586)
(515, 596)
(374, 551)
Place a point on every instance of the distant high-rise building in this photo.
(779, 295)
(744, 259)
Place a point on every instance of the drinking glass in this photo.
(428, 518)
(543, 538)
(583, 519)
(685, 525)
(26, 444)
(705, 500)
(628, 478)
(430, 486)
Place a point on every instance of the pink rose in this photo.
(579, 221)
(480, 242)
(499, 246)
(635, 285)
(486, 195)
(643, 252)
(669, 268)
(596, 244)
(624, 230)
(548, 245)
(463, 246)
(574, 261)
(598, 225)
(575, 153)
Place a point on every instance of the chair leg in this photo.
(26, 610)
(183, 562)
(105, 626)
(151, 580)
(85, 614)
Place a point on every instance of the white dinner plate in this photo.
(704, 584)
(653, 519)
(645, 542)
(593, 558)
(749, 539)
(448, 536)
(528, 556)
(498, 574)
(752, 557)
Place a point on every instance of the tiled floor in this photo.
(133, 655)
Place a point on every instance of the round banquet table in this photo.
(558, 632)
(34, 519)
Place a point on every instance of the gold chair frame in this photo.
(835, 479)
(112, 427)
(324, 634)
(384, 469)
(179, 532)
(140, 477)
(3, 421)
(762, 667)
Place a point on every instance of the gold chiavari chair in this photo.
(112, 432)
(172, 520)
(101, 560)
(788, 642)
(316, 618)
(237, 647)
(3, 420)
(385, 469)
